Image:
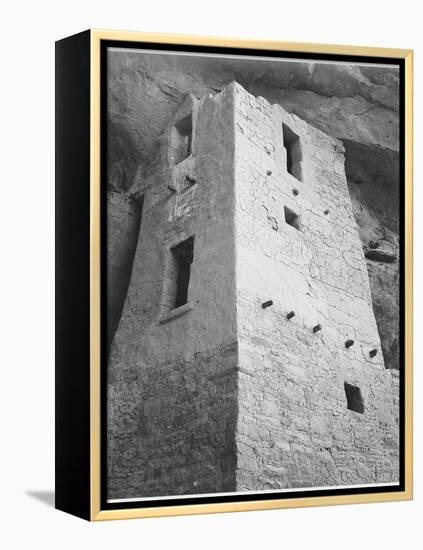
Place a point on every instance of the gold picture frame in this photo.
(89, 504)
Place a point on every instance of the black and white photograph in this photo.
(210, 289)
(253, 330)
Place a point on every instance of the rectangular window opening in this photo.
(294, 155)
(354, 398)
(183, 255)
(291, 218)
(182, 139)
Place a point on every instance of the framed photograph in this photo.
(234, 275)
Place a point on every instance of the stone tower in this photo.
(247, 356)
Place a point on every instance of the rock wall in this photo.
(358, 105)
(373, 181)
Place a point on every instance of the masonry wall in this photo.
(172, 378)
(294, 428)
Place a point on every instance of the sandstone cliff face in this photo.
(358, 105)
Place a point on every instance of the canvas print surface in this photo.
(253, 275)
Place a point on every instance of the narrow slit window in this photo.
(354, 398)
(294, 155)
(182, 139)
(291, 218)
(183, 255)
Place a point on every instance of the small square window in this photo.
(354, 398)
(292, 218)
(182, 139)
